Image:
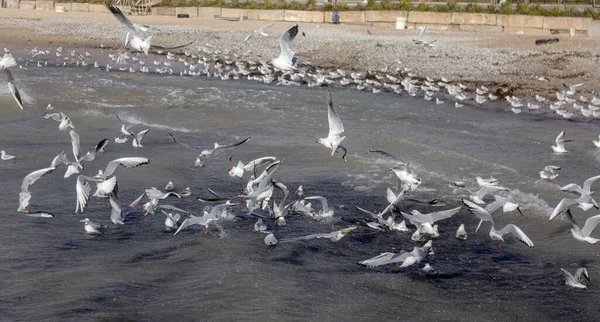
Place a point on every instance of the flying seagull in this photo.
(285, 61)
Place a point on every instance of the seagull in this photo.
(576, 280)
(597, 143)
(62, 118)
(325, 212)
(5, 156)
(334, 236)
(91, 227)
(270, 240)
(486, 182)
(585, 200)
(238, 170)
(136, 137)
(104, 188)
(560, 143)
(478, 196)
(25, 195)
(259, 31)
(390, 222)
(171, 220)
(422, 41)
(336, 128)
(497, 234)
(206, 219)
(406, 258)
(205, 153)
(549, 172)
(6, 62)
(285, 61)
(583, 234)
(390, 156)
(461, 233)
(409, 180)
(136, 41)
(425, 222)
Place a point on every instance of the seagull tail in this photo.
(146, 45)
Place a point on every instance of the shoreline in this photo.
(508, 64)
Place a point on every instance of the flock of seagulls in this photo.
(258, 198)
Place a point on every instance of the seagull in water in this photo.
(6, 62)
(560, 143)
(576, 281)
(285, 61)
(334, 236)
(259, 31)
(91, 227)
(5, 156)
(336, 128)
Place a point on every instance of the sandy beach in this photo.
(508, 63)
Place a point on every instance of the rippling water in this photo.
(52, 270)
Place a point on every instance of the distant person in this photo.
(335, 18)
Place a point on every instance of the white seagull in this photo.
(334, 236)
(285, 61)
(576, 280)
(259, 31)
(560, 143)
(585, 200)
(63, 120)
(91, 227)
(583, 234)
(497, 234)
(6, 62)
(5, 156)
(336, 128)
(136, 41)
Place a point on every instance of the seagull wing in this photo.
(512, 229)
(563, 205)
(233, 145)
(440, 215)
(185, 145)
(570, 279)
(55, 116)
(587, 184)
(115, 214)
(486, 190)
(101, 145)
(33, 177)
(385, 154)
(263, 28)
(83, 189)
(478, 211)
(589, 225)
(322, 200)
(140, 135)
(173, 208)
(13, 89)
(192, 220)
(285, 42)
(121, 17)
(171, 47)
(336, 128)
(128, 162)
(61, 158)
(75, 144)
(106, 187)
(581, 273)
